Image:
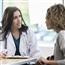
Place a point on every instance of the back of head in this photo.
(56, 17)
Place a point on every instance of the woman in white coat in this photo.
(18, 38)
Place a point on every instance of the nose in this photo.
(19, 19)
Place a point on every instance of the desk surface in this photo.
(15, 61)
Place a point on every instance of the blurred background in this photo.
(34, 13)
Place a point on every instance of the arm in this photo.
(34, 50)
(3, 51)
(43, 61)
(51, 62)
(59, 51)
(59, 48)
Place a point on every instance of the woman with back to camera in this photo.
(55, 19)
(19, 39)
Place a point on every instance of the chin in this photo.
(48, 28)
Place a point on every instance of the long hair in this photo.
(56, 17)
(8, 19)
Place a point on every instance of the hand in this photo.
(3, 54)
(41, 61)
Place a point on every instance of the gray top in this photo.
(59, 50)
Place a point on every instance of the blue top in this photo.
(17, 42)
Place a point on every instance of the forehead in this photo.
(16, 13)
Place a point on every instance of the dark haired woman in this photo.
(19, 39)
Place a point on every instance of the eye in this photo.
(15, 17)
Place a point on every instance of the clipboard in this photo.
(17, 57)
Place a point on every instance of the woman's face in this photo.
(16, 20)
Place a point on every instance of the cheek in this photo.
(14, 22)
(47, 23)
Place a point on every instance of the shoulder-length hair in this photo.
(8, 19)
(56, 17)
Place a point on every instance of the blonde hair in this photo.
(56, 16)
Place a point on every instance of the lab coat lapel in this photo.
(10, 40)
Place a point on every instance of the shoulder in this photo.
(61, 38)
(30, 32)
(24, 28)
(61, 33)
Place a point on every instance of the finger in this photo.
(41, 62)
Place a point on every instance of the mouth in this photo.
(19, 25)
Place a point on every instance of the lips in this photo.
(19, 25)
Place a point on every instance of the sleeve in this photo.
(2, 47)
(2, 44)
(59, 49)
(34, 50)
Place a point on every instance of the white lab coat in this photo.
(27, 47)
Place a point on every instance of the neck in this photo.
(14, 29)
(15, 33)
